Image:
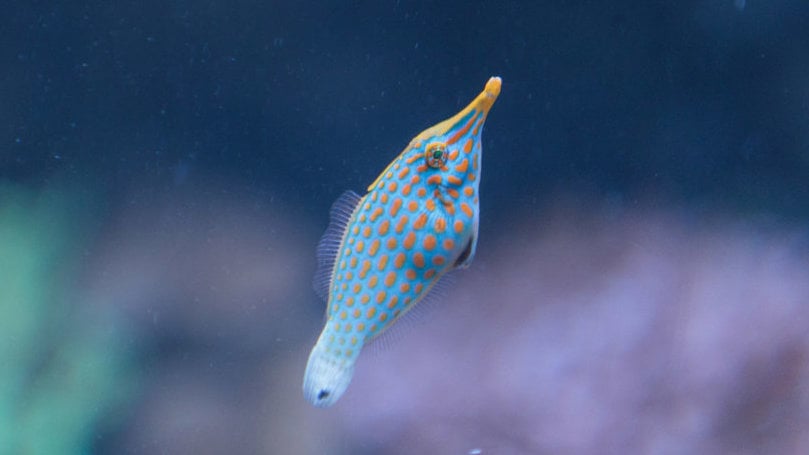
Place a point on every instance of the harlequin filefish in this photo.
(383, 252)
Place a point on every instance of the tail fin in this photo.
(327, 376)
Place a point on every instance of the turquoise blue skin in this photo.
(382, 253)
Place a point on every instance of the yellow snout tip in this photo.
(493, 86)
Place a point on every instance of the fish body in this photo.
(383, 252)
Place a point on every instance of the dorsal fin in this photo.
(329, 244)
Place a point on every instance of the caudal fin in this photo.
(326, 377)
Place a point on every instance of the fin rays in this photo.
(329, 244)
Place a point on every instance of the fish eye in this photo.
(436, 154)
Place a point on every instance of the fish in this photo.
(382, 253)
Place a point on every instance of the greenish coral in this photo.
(64, 369)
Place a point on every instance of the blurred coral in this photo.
(603, 334)
(588, 331)
(64, 371)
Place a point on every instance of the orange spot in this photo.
(393, 301)
(412, 206)
(376, 213)
(451, 179)
(366, 265)
(463, 166)
(415, 179)
(360, 246)
(430, 205)
(452, 155)
(429, 242)
(344, 286)
(349, 352)
(467, 146)
(353, 262)
(347, 252)
(438, 260)
(384, 198)
(450, 208)
(406, 189)
(401, 224)
(458, 226)
(371, 312)
(399, 261)
(388, 175)
(422, 168)
(471, 176)
(411, 274)
(418, 259)
(420, 221)
(383, 227)
(373, 248)
(466, 209)
(368, 204)
(360, 327)
(392, 186)
(449, 244)
(380, 296)
(347, 328)
(383, 317)
(475, 162)
(343, 315)
(362, 218)
(404, 172)
(404, 287)
(339, 297)
(357, 288)
(356, 313)
(429, 274)
(391, 243)
(460, 133)
(394, 208)
(372, 281)
(365, 299)
(419, 287)
(355, 230)
(407, 300)
(366, 231)
(383, 262)
(412, 159)
(440, 225)
(349, 275)
(434, 179)
(350, 301)
(421, 192)
(469, 191)
(410, 240)
(477, 129)
(336, 326)
(354, 339)
(453, 193)
(390, 279)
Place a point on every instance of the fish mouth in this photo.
(479, 107)
(489, 94)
